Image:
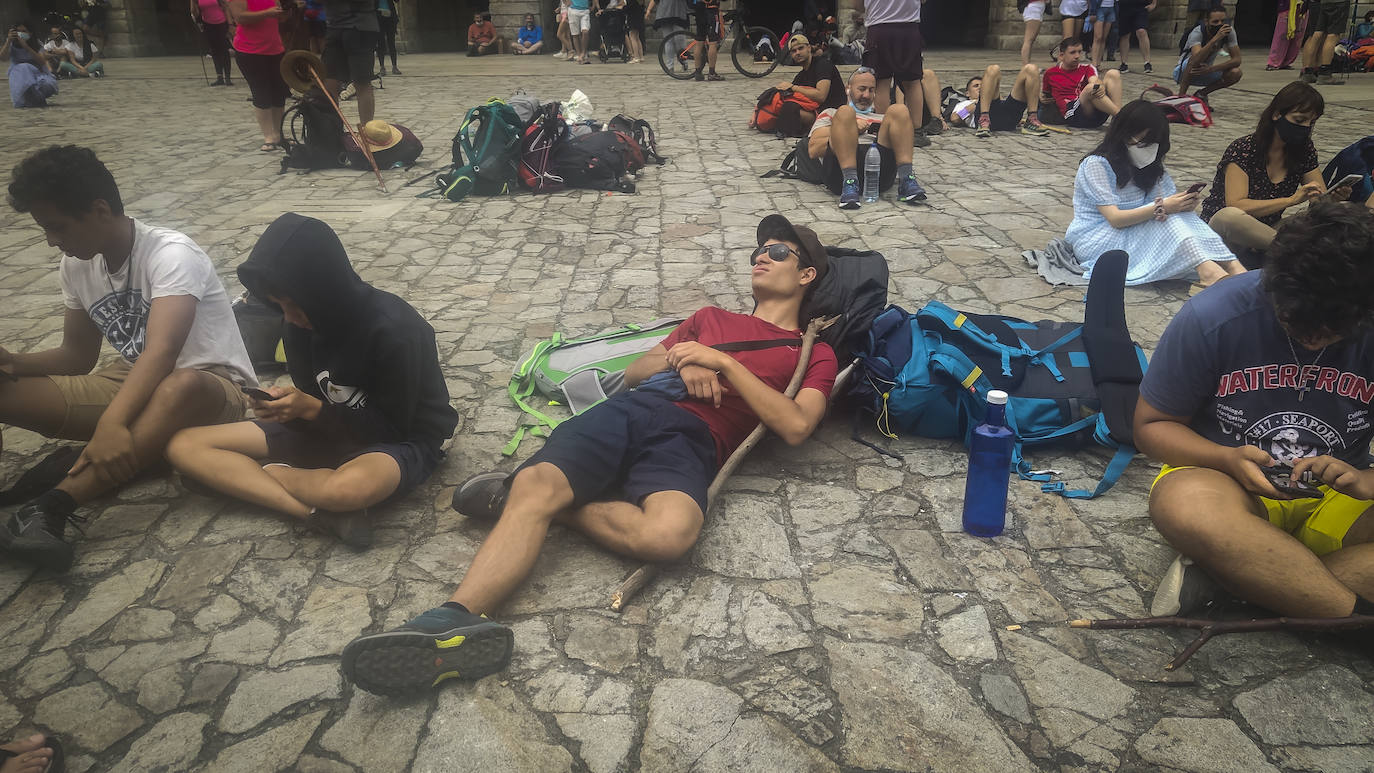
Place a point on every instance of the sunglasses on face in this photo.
(777, 253)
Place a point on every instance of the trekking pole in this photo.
(204, 53)
(362, 144)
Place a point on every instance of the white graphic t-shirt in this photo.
(162, 263)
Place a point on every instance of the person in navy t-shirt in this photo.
(631, 472)
(1263, 370)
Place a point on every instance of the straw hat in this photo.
(296, 67)
(380, 135)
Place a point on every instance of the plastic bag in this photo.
(577, 107)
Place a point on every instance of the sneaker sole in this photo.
(912, 197)
(43, 554)
(850, 205)
(1167, 596)
(463, 489)
(410, 662)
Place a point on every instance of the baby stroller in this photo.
(612, 31)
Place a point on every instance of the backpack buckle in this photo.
(1052, 488)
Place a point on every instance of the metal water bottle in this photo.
(989, 467)
(873, 167)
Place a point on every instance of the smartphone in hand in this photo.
(257, 394)
(1281, 477)
(1350, 180)
(1196, 187)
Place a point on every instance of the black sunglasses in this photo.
(776, 253)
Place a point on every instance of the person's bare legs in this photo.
(367, 101)
(991, 88)
(1106, 99)
(31, 756)
(844, 136)
(894, 133)
(270, 129)
(1027, 88)
(663, 530)
(1143, 36)
(1208, 517)
(1100, 31)
(1032, 32)
(712, 49)
(1185, 78)
(1328, 50)
(1228, 79)
(882, 95)
(35, 404)
(276, 114)
(1112, 80)
(361, 482)
(930, 91)
(1124, 47)
(581, 39)
(913, 99)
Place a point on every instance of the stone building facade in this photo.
(153, 27)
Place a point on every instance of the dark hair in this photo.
(1319, 270)
(85, 44)
(1067, 43)
(1134, 118)
(69, 177)
(1295, 97)
(969, 84)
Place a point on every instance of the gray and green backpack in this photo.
(578, 372)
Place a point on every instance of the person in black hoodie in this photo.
(368, 412)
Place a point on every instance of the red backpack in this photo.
(537, 145)
(1179, 108)
(770, 104)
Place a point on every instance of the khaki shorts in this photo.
(88, 396)
(1320, 524)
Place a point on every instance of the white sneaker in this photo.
(559, 55)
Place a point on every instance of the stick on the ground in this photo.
(357, 138)
(1210, 628)
(647, 572)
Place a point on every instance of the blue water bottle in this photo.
(989, 466)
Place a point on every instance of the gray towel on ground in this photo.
(1057, 264)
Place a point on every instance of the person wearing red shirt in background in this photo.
(482, 36)
(1082, 98)
(630, 472)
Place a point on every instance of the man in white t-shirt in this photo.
(154, 296)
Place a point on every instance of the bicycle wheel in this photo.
(755, 52)
(674, 55)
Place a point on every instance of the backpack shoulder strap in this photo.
(749, 346)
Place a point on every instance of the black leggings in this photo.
(263, 73)
(386, 42)
(217, 38)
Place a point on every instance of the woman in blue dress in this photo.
(31, 80)
(1124, 200)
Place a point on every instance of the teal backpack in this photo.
(577, 372)
(486, 153)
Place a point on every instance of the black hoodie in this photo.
(370, 358)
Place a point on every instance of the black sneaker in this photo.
(483, 496)
(1186, 590)
(34, 535)
(1308, 76)
(1148, 68)
(933, 126)
(919, 138)
(440, 644)
(700, 75)
(1124, 67)
(352, 528)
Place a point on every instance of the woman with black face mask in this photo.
(1263, 174)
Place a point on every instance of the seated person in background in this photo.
(1003, 114)
(31, 80)
(1225, 400)
(959, 108)
(1123, 199)
(154, 295)
(482, 37)
(55, 50)
(1364, 31)
(369, 410)
(530, 38)
(1075, 94)
(819, 81)
(1199, 65)
(1245, 204)
(84, 61)
(833, 150)
(631, 472)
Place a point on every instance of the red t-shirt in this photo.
(483, 33)
(732, 422)
(1063, 85)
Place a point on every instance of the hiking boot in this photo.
(1125, 68)
(1185, 590)
(483, 496)
(699, 75)
(353, 528)
(984, 126)
(34, 534)
(1327, 79)
(440, 644)
(933, 126)
(909, 190)
(1148, 69)
(850, 197)
(1034, 128)
(1309, 76)
(919, 138)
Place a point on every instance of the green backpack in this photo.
(578, 372)
(489, 140)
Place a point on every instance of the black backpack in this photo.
(855, 288)
(314, 135)
(597, 160)
(642, 133)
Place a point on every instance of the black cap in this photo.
(813, 253)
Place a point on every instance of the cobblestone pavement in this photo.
(833, 617)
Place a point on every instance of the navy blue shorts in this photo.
(312, 451)
(630, 446)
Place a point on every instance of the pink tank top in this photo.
(210, 12)
(261, 36)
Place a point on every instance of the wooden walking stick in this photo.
(362, 143)
(647, 572)
(1210, 628)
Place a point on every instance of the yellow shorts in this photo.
(87, 397)
(1320, 524)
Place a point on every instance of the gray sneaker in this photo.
(483, 496)
(919, 138)
(1185, 590)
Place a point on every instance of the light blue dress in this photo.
(1159, 249)
(29, 85)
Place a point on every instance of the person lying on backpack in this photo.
(1075, 94)
(1199, 64)
(992, 112)
(840, 137)
(362, 424)
(631, 472)
(154, 295)
(1265, 372)
(1246, 204)
(819, 80)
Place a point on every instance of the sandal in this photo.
(714, 77)
(267, 147)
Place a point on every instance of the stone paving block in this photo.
(1202, 745)
(377, 734)
(172, 744)
(107, 599)
(489, 723)
(274, 750)
(88, 715)
(266, 693)
(1323, 706)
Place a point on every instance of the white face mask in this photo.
(1144, 155)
